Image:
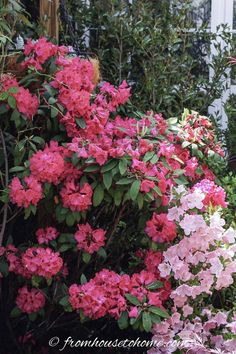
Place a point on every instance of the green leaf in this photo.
(117, 197)
(107, 180)
(15, 115)
(147, 322)
(65, 247)
(140, 200)
(172, 121)
(80, 122)
(70, 220)
(92, 168)
(12, 102)
(158, 311)
(178, 172)
(148, 156)
(86, 257)
(13, 90)
(185, 144)
(98, 195)
(38, 140)
(33, 316)
(54, 112)
(15, 312)
(155, 318)
(134, 190)
(123, 321)
(75, 159)
(154, 159)
(3, 108)
(64, 301)
(132, 299)
(50, 90)
(102, 253)
(52, 100)
(36, 280)
(122, 167)
(156, 285)
(65, 237)
(157, 190)
(124, 181)
(3, 96)
(109, 166)
(17, 169)
(181, 180)
(83, 279)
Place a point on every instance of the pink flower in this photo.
(133, 312)
(40, 51)
(88, 239)
(26, 103)
(48, 165)
(24, 196)
(152, 261)
(46, 235)
(214, 195)
(164, 269)
(30, 301)
(76, 198)
(187, 310)
(99, 154)
(146, 186)
(102, 295)
(160, 229)
(191, 223)
(191, 166)
(42, 261)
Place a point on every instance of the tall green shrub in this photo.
(154, 45)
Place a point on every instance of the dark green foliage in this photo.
(155, 47)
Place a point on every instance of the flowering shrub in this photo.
(124, 211)
(202, 262)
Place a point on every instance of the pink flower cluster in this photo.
(153, 159)
(44, 236)
(76, 198)
(198, 129)
(30, 301)
(88, 239)
(105, 293)
(74, 82)
(214, 195)
(160, 229)
(203, 261)
(48, 165)
(202, 334)
(27, 192)
(42, 261)
(38, 52)
(26, 103)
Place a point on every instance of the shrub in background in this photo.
(157, 47)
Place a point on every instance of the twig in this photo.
(113, 229)
(4, 221)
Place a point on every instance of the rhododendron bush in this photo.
(121, 214)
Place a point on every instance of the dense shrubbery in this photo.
(122, 215)
(156, 46)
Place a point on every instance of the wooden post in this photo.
(49, 17)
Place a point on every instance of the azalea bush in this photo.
(108, 219)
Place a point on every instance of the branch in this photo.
(113, 229)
